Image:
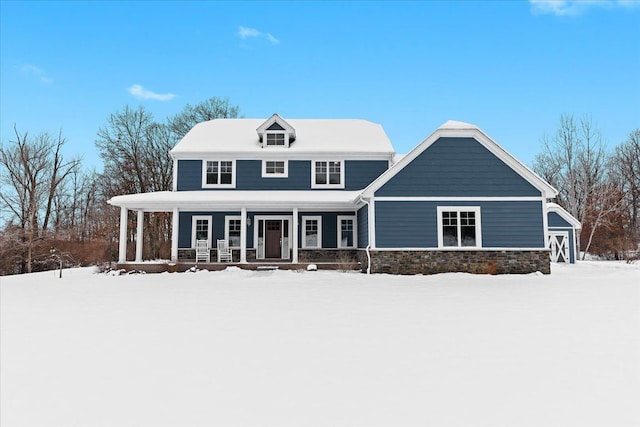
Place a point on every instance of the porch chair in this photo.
(224, 252)
(202, 251)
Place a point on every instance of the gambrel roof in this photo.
(330, 137)
(456, 129)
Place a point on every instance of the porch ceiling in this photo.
(166, 201)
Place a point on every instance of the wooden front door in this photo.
(273, 239)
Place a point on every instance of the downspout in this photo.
(367, 249)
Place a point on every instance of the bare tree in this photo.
(574, 161)
(212, 108)
(31, 173)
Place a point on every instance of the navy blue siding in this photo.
(457, 167)
(363, 227)
(555, 220)
(358, 174)
(249, 176)
(415, 224)
(189, 175)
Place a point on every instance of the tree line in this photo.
(599, 187)
(52, 210)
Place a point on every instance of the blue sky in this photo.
(509, 67)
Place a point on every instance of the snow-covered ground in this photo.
(241, 348)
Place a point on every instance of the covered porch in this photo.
(282, 228)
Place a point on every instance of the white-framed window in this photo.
(347, 231)
(232, 229)
(311, 232)
(327, 174)
(459, 227)
(218, 173)
(275, 138)
(201, 229)
(275, 168)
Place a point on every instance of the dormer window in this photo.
(276, 132)
(276, 138)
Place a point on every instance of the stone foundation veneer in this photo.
(477, 262)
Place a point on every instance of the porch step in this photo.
(267, 267)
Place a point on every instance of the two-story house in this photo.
(314, 190)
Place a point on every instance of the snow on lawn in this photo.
(321, 348)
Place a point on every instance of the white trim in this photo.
(545, 221)
(243, 236)
(122, 242)
(355, 231)
(327, 186)
(286, 154)
(139, 235)
(471, 132)
(275, 175)
(458, 209)
(204, 173)
(175, 224)
(174, 184)
(227, 219)
(306, 218)
(195, 218)
(371, 222)
(294, 236)
(459, 199)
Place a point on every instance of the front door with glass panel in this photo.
(273, 238)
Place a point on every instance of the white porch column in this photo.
(122, 250)
(139, 226)
(371, 220)
(294, 238)
(174, 235)
(243, 235)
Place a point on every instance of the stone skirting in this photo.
(477, 262)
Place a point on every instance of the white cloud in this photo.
(141, 93)
(247, 32)
(38, 72)
(576, 7)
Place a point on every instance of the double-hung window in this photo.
(218, 173)
(233, 226)
(328, 174)
(274, 169)
(459, 227)
(347, 231)
(312, 232)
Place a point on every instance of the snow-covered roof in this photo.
(453, 128)
(313, 136)
(564, 214)
(163, 201)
